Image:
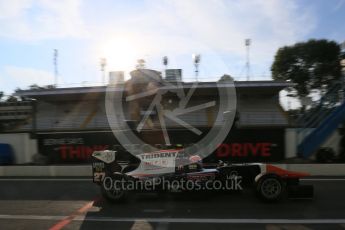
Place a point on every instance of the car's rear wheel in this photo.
(270, 188)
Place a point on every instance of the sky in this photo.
(84, 31)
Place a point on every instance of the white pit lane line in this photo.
(178, 220)
(322, 179)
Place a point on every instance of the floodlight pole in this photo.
(165, 63)
(103, 63)
(196, 60)
(247, 44)
(56, 72)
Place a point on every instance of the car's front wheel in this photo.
(270, 188)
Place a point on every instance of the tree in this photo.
(11, 99)
(225, 78)
(35, 87)
(314, 64)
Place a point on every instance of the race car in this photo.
(173, 170)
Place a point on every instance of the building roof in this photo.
(76, 93)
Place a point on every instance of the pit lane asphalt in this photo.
(75, 203)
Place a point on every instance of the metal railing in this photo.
(320, 121)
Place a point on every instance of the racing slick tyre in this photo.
(112, 191)
(270, 188)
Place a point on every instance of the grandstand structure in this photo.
(15, 114)
(72, 122)
(83, 108)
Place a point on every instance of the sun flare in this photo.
(121, 54)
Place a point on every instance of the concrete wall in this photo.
(23, 146)
(333, 142)
(86, 170)
(64, 171)
(291, 142)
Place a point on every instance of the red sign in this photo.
(261, 149)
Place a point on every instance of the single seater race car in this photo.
(175, 171)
